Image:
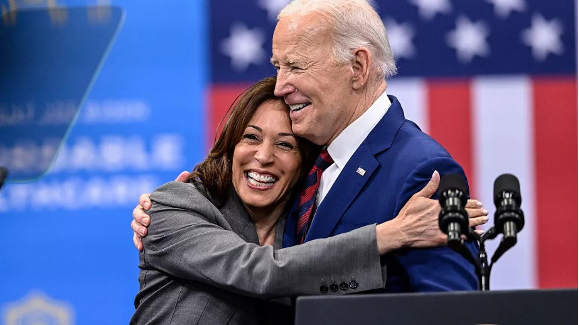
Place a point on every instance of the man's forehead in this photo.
(295, 50)
(294, 36)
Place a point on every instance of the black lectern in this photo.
(520, 307)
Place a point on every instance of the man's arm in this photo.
(440, 268)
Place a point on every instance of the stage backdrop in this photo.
(494, 81)
(67, 255)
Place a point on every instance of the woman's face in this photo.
(266, 161)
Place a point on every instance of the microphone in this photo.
(509, 218)
(3, 175)
(453, 219)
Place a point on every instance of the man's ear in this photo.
(361, 67)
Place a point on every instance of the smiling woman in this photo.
(266, 166)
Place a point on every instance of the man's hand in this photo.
(140, 218)
(417, 223)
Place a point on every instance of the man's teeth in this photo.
(260, 180)
(297, 107)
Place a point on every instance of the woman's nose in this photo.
(264, 154)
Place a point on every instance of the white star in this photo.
(468, 39)
(429, 8)
(244, 46)
(544, 37)
(400, 38)
(503, 8)
(273, 7)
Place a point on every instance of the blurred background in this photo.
(101, 101)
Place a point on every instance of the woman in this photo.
(210, 241)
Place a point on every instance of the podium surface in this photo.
(515, 307)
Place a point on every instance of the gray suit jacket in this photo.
(202, 263)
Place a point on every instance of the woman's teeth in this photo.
(260, 180)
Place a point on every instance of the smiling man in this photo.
(332, 58)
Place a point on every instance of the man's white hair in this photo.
(355, 24)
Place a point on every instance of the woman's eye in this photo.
(286, 145)
(250, 136)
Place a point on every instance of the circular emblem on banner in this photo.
(37, 308)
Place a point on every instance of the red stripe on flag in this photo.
(449, 111)
(220, 99)
(555, 123)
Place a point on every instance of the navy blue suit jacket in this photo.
(399, 160)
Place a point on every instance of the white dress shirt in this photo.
(348, 141)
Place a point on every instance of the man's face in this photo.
(317, 88)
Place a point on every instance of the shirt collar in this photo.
(348, 141)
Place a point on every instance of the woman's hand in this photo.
(417, 223)
(140, 218)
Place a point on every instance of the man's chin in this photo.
(312, 137)
(300, 130)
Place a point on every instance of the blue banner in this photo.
(135, 72)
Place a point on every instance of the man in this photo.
(332, 59)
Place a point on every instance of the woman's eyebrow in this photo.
(255, 127)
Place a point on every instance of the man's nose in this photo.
(282, 87)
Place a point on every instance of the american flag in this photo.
(494, 81)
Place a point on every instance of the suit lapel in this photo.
(349, 183)
(236, 215)
(342, 193)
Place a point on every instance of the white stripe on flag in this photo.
(503, 143)
(411, 92)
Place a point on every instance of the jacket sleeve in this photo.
(441, 268)
(189, 239)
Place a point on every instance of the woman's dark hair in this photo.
(215, 171)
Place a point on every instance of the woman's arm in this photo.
(189, 238)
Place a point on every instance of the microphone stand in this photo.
(483, 268)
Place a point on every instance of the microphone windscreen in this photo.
(507, 182)
(452, 182)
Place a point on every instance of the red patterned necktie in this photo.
(308, 194)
